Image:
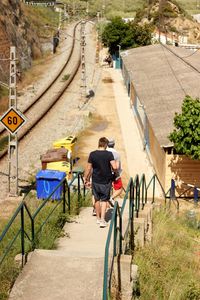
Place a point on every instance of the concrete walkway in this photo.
(75, 270)
(137, 159)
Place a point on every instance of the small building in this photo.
(157, 78)
(41, 2)
(196, 17)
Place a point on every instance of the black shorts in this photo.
(101, 191)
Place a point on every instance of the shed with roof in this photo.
(158, 77)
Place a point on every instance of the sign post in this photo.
(13, 120)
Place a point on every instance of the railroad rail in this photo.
(34, 119)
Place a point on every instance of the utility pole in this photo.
(13, 140)
(148, 9)
(87, 8)
(73, 7)
(60, 19)
(83, 73)
(160, 20)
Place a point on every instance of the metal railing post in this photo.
(154, 187)
(69, 200)
(172, 190)
(132, 216)
(64, 197)
(84, 189)
(137, 198)
(33, 233)
(115, 235)
(22, 234)
(143, 192)
(195, 195)
(79, 190)
(120, 232)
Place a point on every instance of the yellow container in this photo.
(63, 166)
(67, 142)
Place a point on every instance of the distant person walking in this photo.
(100, 165)
(117, 182)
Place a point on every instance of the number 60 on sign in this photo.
(13, 120)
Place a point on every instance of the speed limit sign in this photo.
(13, 120)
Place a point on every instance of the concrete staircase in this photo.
(74, 271)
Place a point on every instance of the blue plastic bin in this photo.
(47, 181)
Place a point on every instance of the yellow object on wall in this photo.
(63, 166)
(67, 142)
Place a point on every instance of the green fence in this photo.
(30, 224)
(122, 239)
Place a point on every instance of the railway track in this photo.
(42, 104)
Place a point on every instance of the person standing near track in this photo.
(100, 165)
(117, 182)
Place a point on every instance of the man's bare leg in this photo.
(103, 209)
(116, 193)
(98, 209)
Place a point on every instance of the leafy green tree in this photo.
(186, 135)
(141, 34)
(127, 35)
(114, 33)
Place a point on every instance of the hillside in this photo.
(28, 28)
(170, 18)
(16, 30)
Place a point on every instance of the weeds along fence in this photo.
(120, 239)
(23, 233)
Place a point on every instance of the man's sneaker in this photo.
(94, 212)
(103, 224)
(98, 221)
(111, 202)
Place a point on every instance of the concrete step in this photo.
(54, 276)
(84, 237)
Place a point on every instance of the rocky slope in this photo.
(171, 18)
(15, 30)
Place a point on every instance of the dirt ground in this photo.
(103, 121)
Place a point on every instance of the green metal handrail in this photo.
(32, 217)
(155, 179)
(136, 193)
(113, 226)
(131, 190)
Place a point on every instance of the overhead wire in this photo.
(4, 84)
(172, 70)
(190, 54)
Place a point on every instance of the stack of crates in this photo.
(67, 143)
(54, 155)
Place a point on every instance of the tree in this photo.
(127, 35)
(186, 135)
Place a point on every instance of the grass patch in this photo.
(169, 266)
(44, 20)
(3, 99)
(65, 77)
(45, 239)
(3, 143)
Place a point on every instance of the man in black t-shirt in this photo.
(100, 165)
